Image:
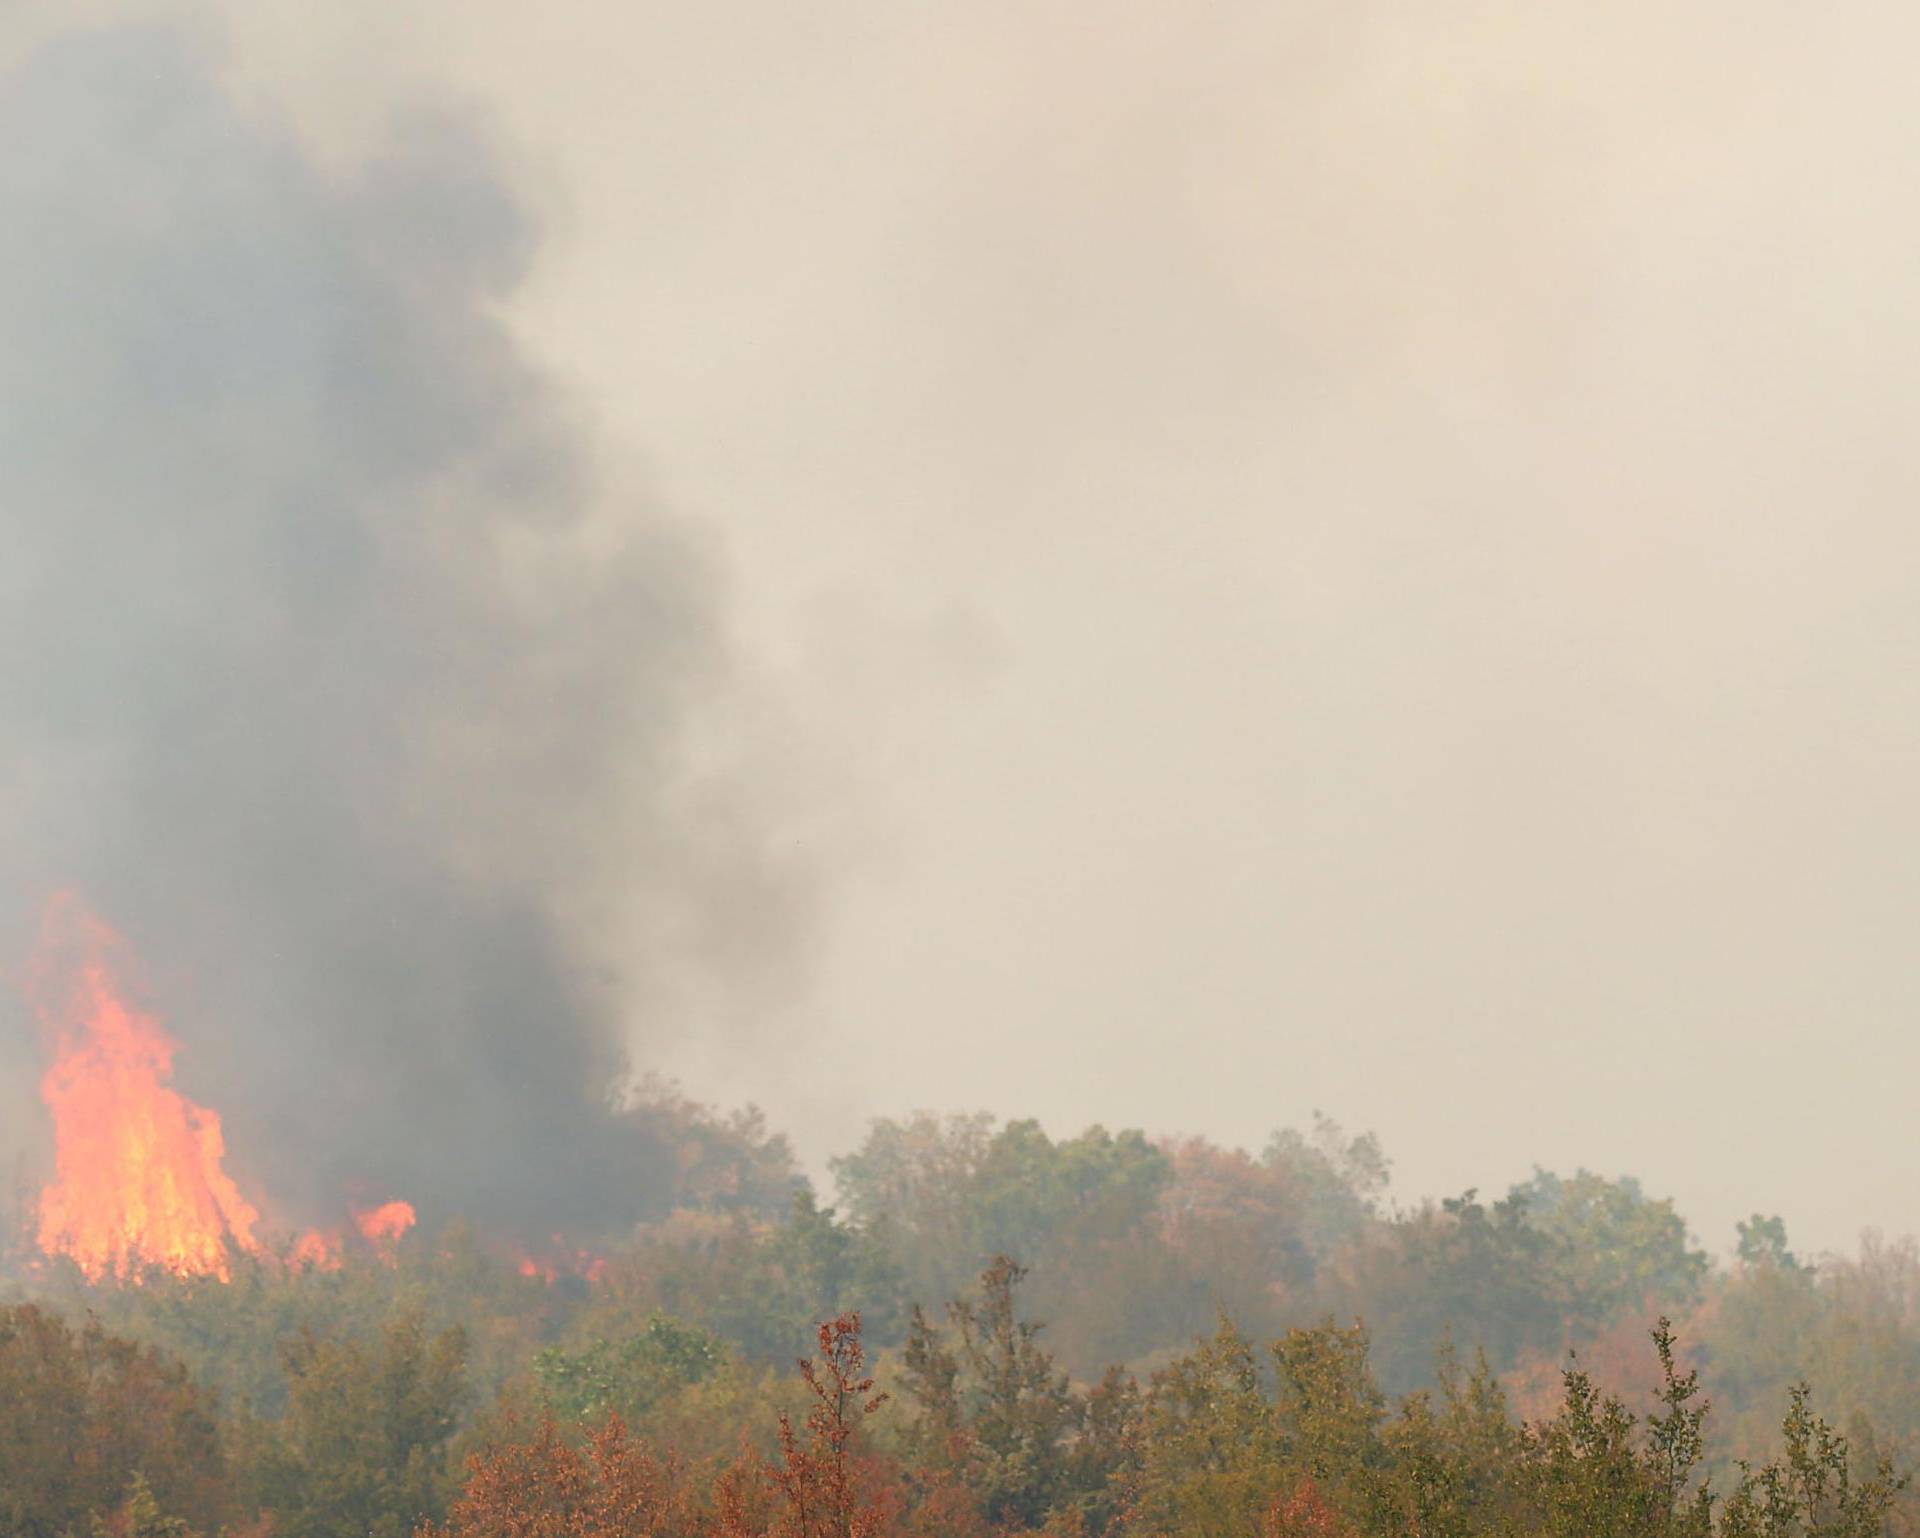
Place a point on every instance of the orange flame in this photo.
(383, 1225)
(317, 1251)
(558, 1263)
(138, 1177)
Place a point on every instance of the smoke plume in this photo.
(330, 672)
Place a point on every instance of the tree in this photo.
(917, 1179)
(1810, 1491)
(84, 1414)
(1240, 1227)
(952, 1194)
(1613, 1248)
(631, 1376)
(994, 1408)
(139, 1516)
(1592, 1475)
(362, 1451)
(1462, 1270)
(1211, 1451)
(729, 1164)
(1329, 1408)
(817, 1484)
(545, 1486)
(1305, 1513)
(1763, 1242)
(759, 1285)
(1340, 1179)
(1450, 1457)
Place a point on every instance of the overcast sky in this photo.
(1343, 554)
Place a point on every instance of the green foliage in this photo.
(1592, 1473)
(229, 1333)
(632, 1376)
(759, 1286)
(139, 1516)
(1132, 1246)
(1449, 1459)
(1763, 1242)
(1810, 1490)
(1219, 1451)
(1330, 1409)
(1463, 1269)
(1612, 1247)
(994, 1410)
(1211, 1446)
(1766, 1327)
(362, 1450)
(1339, 1179)
(950, 1195)
(348, 1391)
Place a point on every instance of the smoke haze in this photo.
(1351, 554)
(319, 675)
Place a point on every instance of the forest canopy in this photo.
(1109, 1332)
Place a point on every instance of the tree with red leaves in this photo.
(1305, 1514)
(547, 1487)
(87, 1419)
(819, 1492)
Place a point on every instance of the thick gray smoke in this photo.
(318, 676)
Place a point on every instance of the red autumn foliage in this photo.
(821, 1489)
(546, 1487)
(820, 1486)
(1305, 1514)
(82, 1412)
(1619, 1358)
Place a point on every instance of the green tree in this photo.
(362, 1450)
(1763, 1242)
(1211, 1450)
(993, 1407)
(630, 1376)
(952, 1194)
(1339, 1179)
(1450, 1456)
(140, 1516)
(1462, 1270)
(1810, 1491)
(1594, 1473)
(1613, 1248)
(1331, 1411)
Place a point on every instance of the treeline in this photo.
(987, 1438)
(1296, 1441)
(326, 1403)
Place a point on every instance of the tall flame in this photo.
(382, 1226)
(138, 1177)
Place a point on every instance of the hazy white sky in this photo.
(1356, 554)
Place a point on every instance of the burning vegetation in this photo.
(648, 1389)
(140, 1180)
(139, 1168)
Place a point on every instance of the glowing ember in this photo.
(558, 1263)
(138, 1178)
(383, 1225)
